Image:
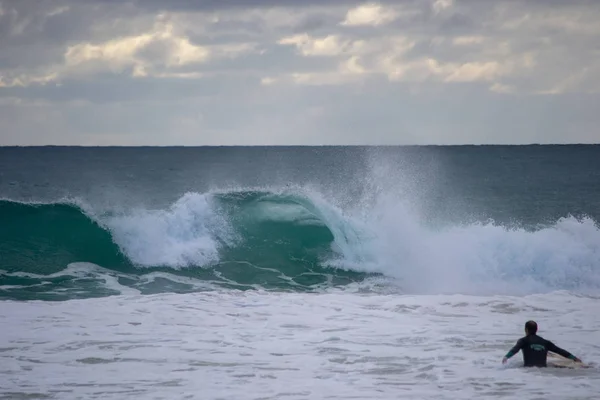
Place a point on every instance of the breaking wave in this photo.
(281, 240)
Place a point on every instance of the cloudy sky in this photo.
(223, 72)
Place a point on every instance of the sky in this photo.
(299, 72)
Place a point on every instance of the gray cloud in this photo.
(212, 5)
(193, 72)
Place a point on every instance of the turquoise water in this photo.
(92, 222)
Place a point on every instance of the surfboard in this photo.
(557, 361)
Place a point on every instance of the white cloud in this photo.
(321, 79)
(389, 57)
(353, 66)
(359, 57)
(58, 11)
(501, 88)
(179, 75)
(441, 5)
(452, 72)
(162, 46)
(330, 45)
(24, 80)
(372, 14)
(410, 71)
(393, 57)
(475, 71)
(337, 45)
(576, 20)
(268, 81)
(160, 52)
(347, 71)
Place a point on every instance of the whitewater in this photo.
(258, 345)
(383, 284)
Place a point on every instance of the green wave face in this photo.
(45, 238)
(238, 240)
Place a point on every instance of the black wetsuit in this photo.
(535, 349)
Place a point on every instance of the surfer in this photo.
(535, 348)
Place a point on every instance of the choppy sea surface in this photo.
(297, 273)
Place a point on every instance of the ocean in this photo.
(296, 272)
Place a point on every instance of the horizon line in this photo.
(304, 145)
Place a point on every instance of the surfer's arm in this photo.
(555, 349)
(514, 350)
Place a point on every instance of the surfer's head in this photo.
(531, 327)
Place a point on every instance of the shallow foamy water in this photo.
(255, 345)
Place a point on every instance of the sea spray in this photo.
(187, 234)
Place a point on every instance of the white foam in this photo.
(79, 271)
(112, 282)
(186, 234)
(249, 345)
(183, 280)
(479, 258)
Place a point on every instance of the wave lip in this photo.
(189, 233)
